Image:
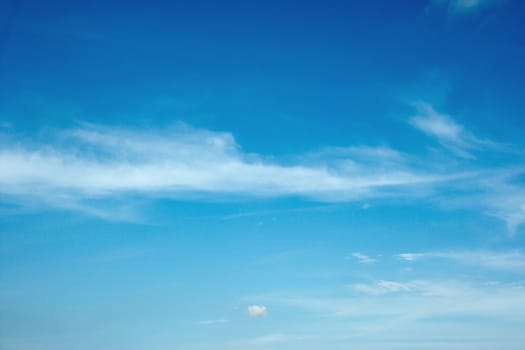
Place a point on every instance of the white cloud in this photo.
(503, 261)
(257, 311)
(363, 259)
(462, 6)
(411, 256)
(99, 170)
(382, 312)
(415, 300)
(461, 315)
(95, 162)
(496, 192)
(422, 287)
(449, 134)
(383, 287)
(504, 199)
(511, 261)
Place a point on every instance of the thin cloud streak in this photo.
(393, 309)
(413, 300)
(363, 259)
(511, 261)
(97, 162)
(449, 134)
(467, 6)
(95, 170)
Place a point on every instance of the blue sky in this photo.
(305, 175)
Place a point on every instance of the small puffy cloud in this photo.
(257, 311)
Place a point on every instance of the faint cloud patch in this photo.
(511, 261)
(257, 311)
(466, 6)
(363, 259)
(211, 322)
(448, 133)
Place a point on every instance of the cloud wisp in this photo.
(466, 6)
(511, 261)
(363, 259)
(95, 170)
(415, 311)
(448, 133)
(95, 162)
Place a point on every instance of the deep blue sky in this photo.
(262, 174)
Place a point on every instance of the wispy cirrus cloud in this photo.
(384, 287)
(399, 305)
(94, 162)
(512, 261)
(448, 133)
(466, 6)
(497, 192)
(363, 259)
(390, 308)
(423, 287)
(504, 198)
(95, 170)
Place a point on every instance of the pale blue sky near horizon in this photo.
(305, 175)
